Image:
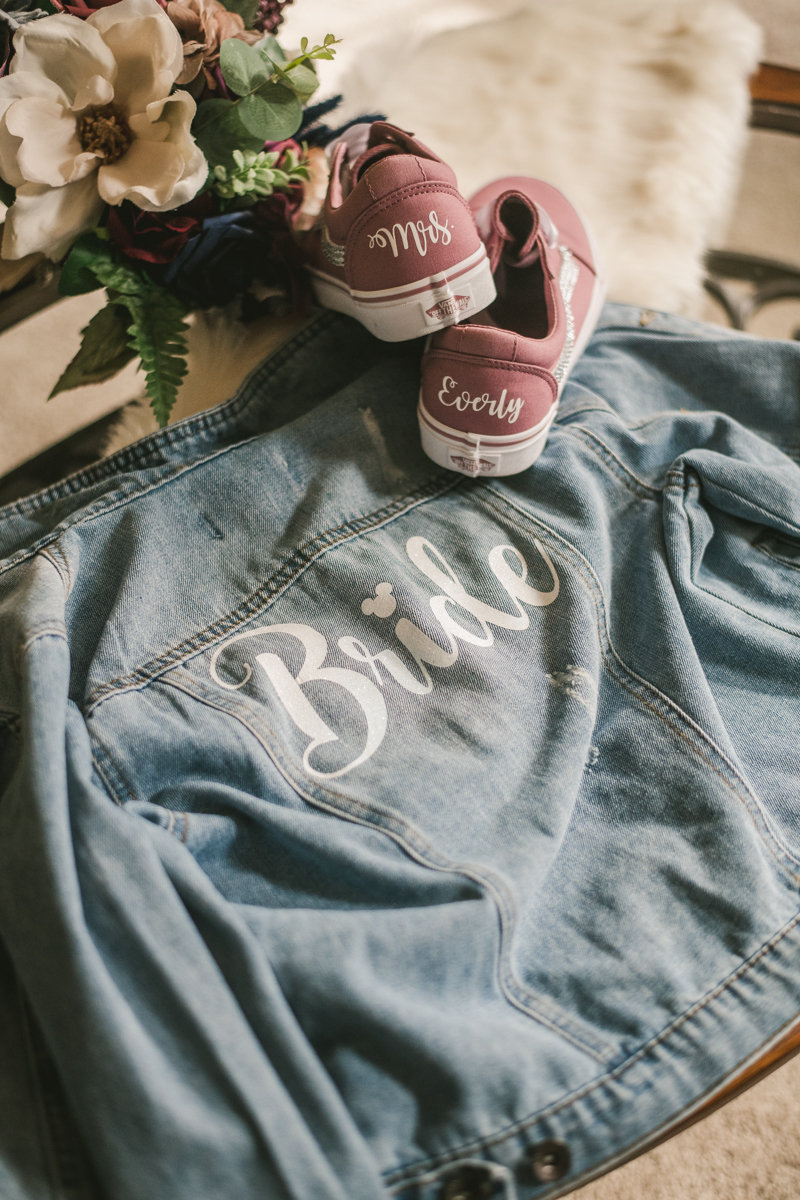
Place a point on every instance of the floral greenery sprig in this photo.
(269, 97)
(256, 175)
(172, 199)
(140, 317)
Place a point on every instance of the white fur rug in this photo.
(636, 108)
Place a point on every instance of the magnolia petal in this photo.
(13, 88)
(65, 50)
(178, 111)
(147, 48)
(169, 121)
(49, 141)
(141, 76)
(146, 174)
(96, 91)
(85, 162)
(149, 131)
(48, 219)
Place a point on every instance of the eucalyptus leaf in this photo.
(247, 10)
(272, 113)
(208, 111)
(303, 80)
(271, 47)
(243, 68)
(105, 349)
(219, 138)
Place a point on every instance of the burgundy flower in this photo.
(270, 15)
(85, 8)
(149, 236)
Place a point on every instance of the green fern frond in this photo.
(158, 334)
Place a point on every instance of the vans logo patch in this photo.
(474, 466)
(449, 307)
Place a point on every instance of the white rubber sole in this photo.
(416, 309)
(475, 454)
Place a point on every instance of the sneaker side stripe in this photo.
(408, 289)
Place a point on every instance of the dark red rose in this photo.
(151, 237)
(85, 8)
(278, 210)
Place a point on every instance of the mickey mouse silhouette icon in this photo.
(383, 604)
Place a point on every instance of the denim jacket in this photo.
(370, 831)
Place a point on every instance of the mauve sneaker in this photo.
(490, 389)
(396, 245)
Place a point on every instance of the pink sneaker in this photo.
(490, 389)
(396, 245)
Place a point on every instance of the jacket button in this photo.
(470, 1183)
(549, 1160)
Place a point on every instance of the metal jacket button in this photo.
(549, 1160)
(469, 1183)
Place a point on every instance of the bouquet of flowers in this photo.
(160, 149)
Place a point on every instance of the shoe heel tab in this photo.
(382, 131)
(397, 171)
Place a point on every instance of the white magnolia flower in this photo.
(86, 117)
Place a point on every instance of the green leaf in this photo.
(158, 334)
(247, 10)
(222, 132)
(271, 48)
(104, 350)
(119, 278)
(243, 68)
(303, 80)
(79, 273)
(7, 193)
(209, 111)
(272, 113)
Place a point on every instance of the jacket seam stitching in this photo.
(692, 485)
(113, 502)
(414, 843)
(678, 478)
(115, 783)
(401, 1176)
(55, 557)
(604, 453)
(776, 847)
(261, 599)
(777, 558)
(143, 454)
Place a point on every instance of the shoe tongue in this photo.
(372, 155)
(516, 220)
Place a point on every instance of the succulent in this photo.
(258, 175)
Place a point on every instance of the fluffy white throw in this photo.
(637, 109)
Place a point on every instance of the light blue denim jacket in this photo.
(366, 829)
